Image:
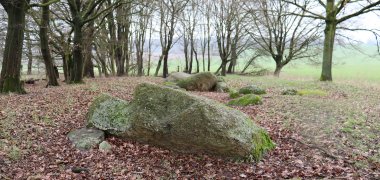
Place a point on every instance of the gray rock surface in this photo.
(181, 122)
(86, 138)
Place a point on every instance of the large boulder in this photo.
(177, 76)
(205, 81)
(181, 122)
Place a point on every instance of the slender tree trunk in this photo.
(196, 59)
(45, 50)
(88, 44)
(65, 59)
(232, 64)
(328, 48)
(165, 71)
(89, 66)
(30, 52)
(11, 66)
(224, 67)
(76, 67)
(278, 69)
(191, 60)
(158, 65)
(186, 52)
(150, 46)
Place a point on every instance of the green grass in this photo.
(337, 116)
(311, 92)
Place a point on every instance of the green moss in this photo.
(311, 92)
(252, 89)
(14, 85)
(289, 92)
(234, 94)
(169, 83)
(109, 113)
(249, 99)
(14, 153)
(262, 144)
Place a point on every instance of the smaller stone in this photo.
(204, 81)
(105, 146)
(249, 99)
(234, 94)
(86, 138)
(252, 89)
(291, 92)
(79, 170)
(221, 87)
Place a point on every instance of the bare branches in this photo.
(44, 4)
(366, 9)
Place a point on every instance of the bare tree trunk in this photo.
(278, 70)
(45, 51)
(150, 46)
(30, 52)
(11, 67)
(158, 65)
(328, 48)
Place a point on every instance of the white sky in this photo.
(369, 21)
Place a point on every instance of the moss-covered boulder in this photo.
(177, 76)
(234, 94)
(252, 89)
(222, 87)
(205, 81)
(109, 114)
(183, 122)
(249, 99)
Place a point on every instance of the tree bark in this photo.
(30, 52)
(76, 67)
(328, 45)
(45, 50)
(328, 48)
(158, 65)
(277, 71)
(11, 66)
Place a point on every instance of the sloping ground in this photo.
(33, 142)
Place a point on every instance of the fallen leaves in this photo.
(38, 124)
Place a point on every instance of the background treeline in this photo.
(139, 37)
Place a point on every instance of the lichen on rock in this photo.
(181, 122)
(252, 89)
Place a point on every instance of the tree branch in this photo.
(364, 10)
(45, 4)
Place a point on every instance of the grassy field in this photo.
(341, 118)
(349, 65)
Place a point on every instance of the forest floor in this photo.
(332, 131)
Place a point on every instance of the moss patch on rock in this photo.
(249, 99)
(290, 92)
(109, 113)
(252, 89)
(234, 94)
